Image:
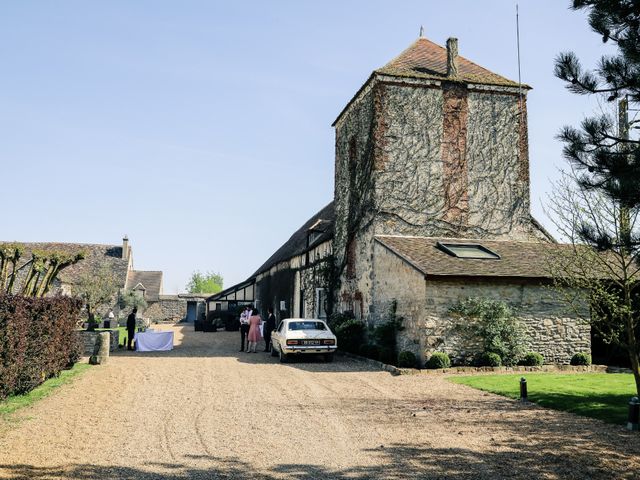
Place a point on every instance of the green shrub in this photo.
(387, 356)
(37, 340)
(407, 359)
(438, 360)
(385, 335)
(581, 358)
(493, 322)
(488, 359)
(350, 332)
(369, 350)
(532, 359)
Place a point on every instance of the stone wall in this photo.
(396, 280)
(553, 330)
(168, 308)
(88, 340)
(432, 138)
(353, 161)
(172, 308)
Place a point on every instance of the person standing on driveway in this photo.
(131, 327)
(244, 327)
(269, 326)
(254, 331)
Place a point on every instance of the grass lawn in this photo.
(13, 403)
(598, 395)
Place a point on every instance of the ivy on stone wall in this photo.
(493, 323)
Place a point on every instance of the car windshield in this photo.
(307, 326)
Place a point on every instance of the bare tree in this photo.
(42, 269)
(605, 274)
(96, 289)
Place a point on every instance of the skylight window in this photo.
(468, 250)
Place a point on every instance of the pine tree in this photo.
(605, 156)
(604, 212)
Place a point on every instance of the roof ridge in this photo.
(460, 239)
(428, 55)
(62, 243)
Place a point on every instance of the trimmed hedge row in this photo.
(37, 340)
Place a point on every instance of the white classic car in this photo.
(296, 336)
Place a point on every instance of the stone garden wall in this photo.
(88, 340)
(169, 308)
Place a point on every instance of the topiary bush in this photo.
(407, 359)
(369, 350)
(438, 360)
(532, 359)
(488, 359)
(581, 358)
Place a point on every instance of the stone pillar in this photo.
(101, 349)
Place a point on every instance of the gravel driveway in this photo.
(205, 410)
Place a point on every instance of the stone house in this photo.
(119, 259)
(431, 206)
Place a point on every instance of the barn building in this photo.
(431, 206)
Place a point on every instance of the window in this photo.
(307, 326)
(353, 150)
(321, 303)
(468, 250)
(351, 258)
(314, 235)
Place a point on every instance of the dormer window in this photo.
(468, 250)
(313, 236)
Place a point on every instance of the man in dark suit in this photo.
(131, 327)
(244, 327)
(269, 326)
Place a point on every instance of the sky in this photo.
(202, 129)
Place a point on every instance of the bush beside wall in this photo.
(37, 340)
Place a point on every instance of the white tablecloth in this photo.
(153, 341)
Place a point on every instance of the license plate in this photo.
(310, 342)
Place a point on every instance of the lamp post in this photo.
(634, 414)
(523, 390)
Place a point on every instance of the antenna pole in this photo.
(518, 43)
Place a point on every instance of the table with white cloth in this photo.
(155, 341)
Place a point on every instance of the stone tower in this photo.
(431, 145)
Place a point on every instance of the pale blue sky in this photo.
(202, 129)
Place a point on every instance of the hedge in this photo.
(37, 340)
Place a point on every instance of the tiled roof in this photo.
(517, 259)
(322, 222)
(425, 59)
(96, 255)
(151, 281)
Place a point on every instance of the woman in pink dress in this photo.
(254, 331)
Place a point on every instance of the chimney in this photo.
(452, 57)
(125, 248)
